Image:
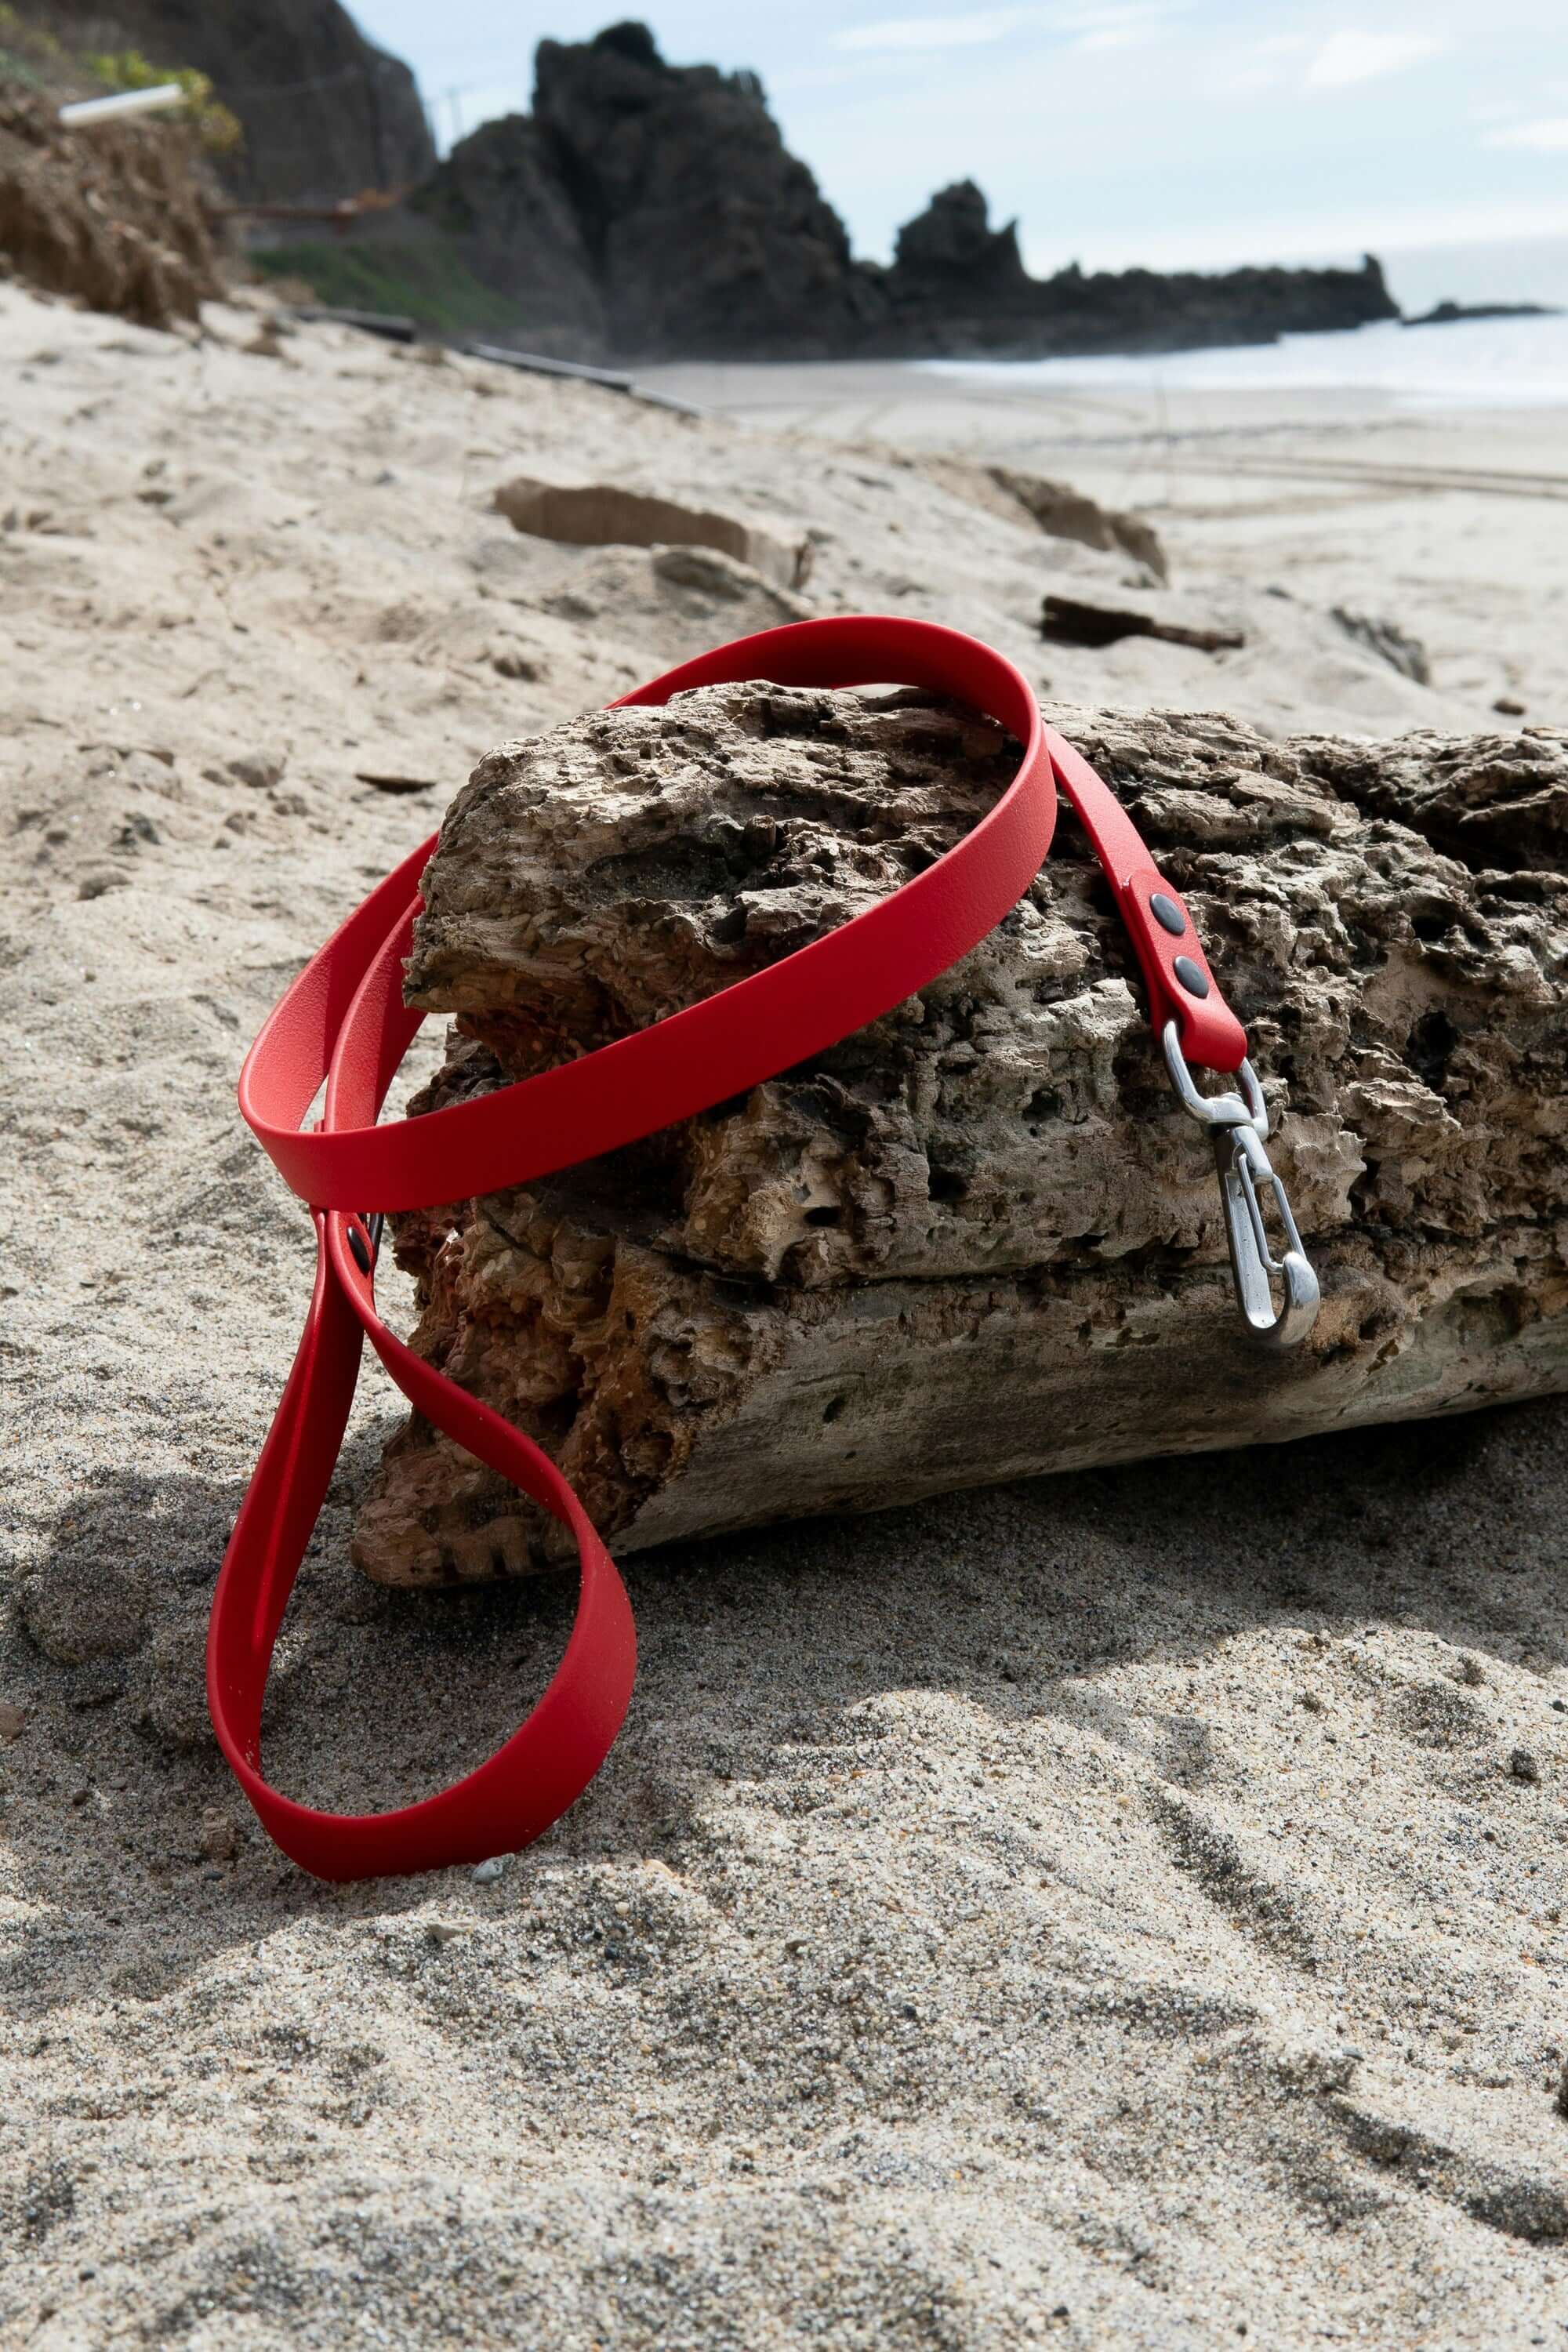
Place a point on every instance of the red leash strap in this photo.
(343, 1021)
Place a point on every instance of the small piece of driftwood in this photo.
(1074, 621)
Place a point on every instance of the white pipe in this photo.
(125, 102)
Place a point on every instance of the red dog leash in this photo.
(344, 1021)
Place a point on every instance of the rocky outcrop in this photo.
(706, 234)
(959, 285)
(112, 215)
(990, 307)
(950, 260)
(507, 211)
(980, 1238)
(646, 208)
(1451, 314)
(325, 112)
(654, 211)
(649, 211)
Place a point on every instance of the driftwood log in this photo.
(980, 1239)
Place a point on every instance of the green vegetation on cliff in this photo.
(422, 277)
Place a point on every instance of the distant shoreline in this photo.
(1504, 365)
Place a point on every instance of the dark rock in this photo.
(1445, 314)
(707, 236)
(499, 199)
(1142, 310)
(654, 210)
(956, 284)
(950, 258)
(325, 113)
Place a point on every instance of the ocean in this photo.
(1474, 363)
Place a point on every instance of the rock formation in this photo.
(959, 285)
(506, 209)
(950, 258)
(1452, 314)
(654, 211)
(645, 210)
(113, 215)
(979, 1239)
(1145, 310)
(689, 226)
(325, 112)
(708, 235)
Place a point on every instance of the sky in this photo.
(1179, 133)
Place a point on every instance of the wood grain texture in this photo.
(979, 1239)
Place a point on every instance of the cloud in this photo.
(1114, 24)
(1114, 37)
(1092, 24)
(1347, 58)
(979, 26)
(1257, 66)
(1549, 138)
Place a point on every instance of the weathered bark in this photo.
(980, 1238)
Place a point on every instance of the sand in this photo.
(1119, 1910)
(1448, 515)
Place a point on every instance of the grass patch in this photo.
(423, 279)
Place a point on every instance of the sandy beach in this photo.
(1117, 1910)
(1342, 494)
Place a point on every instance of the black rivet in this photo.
(360, 1249)
(1195, 981)
(1166, 911)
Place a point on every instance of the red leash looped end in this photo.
(343, 1020)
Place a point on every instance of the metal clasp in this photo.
(1238, 1130)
